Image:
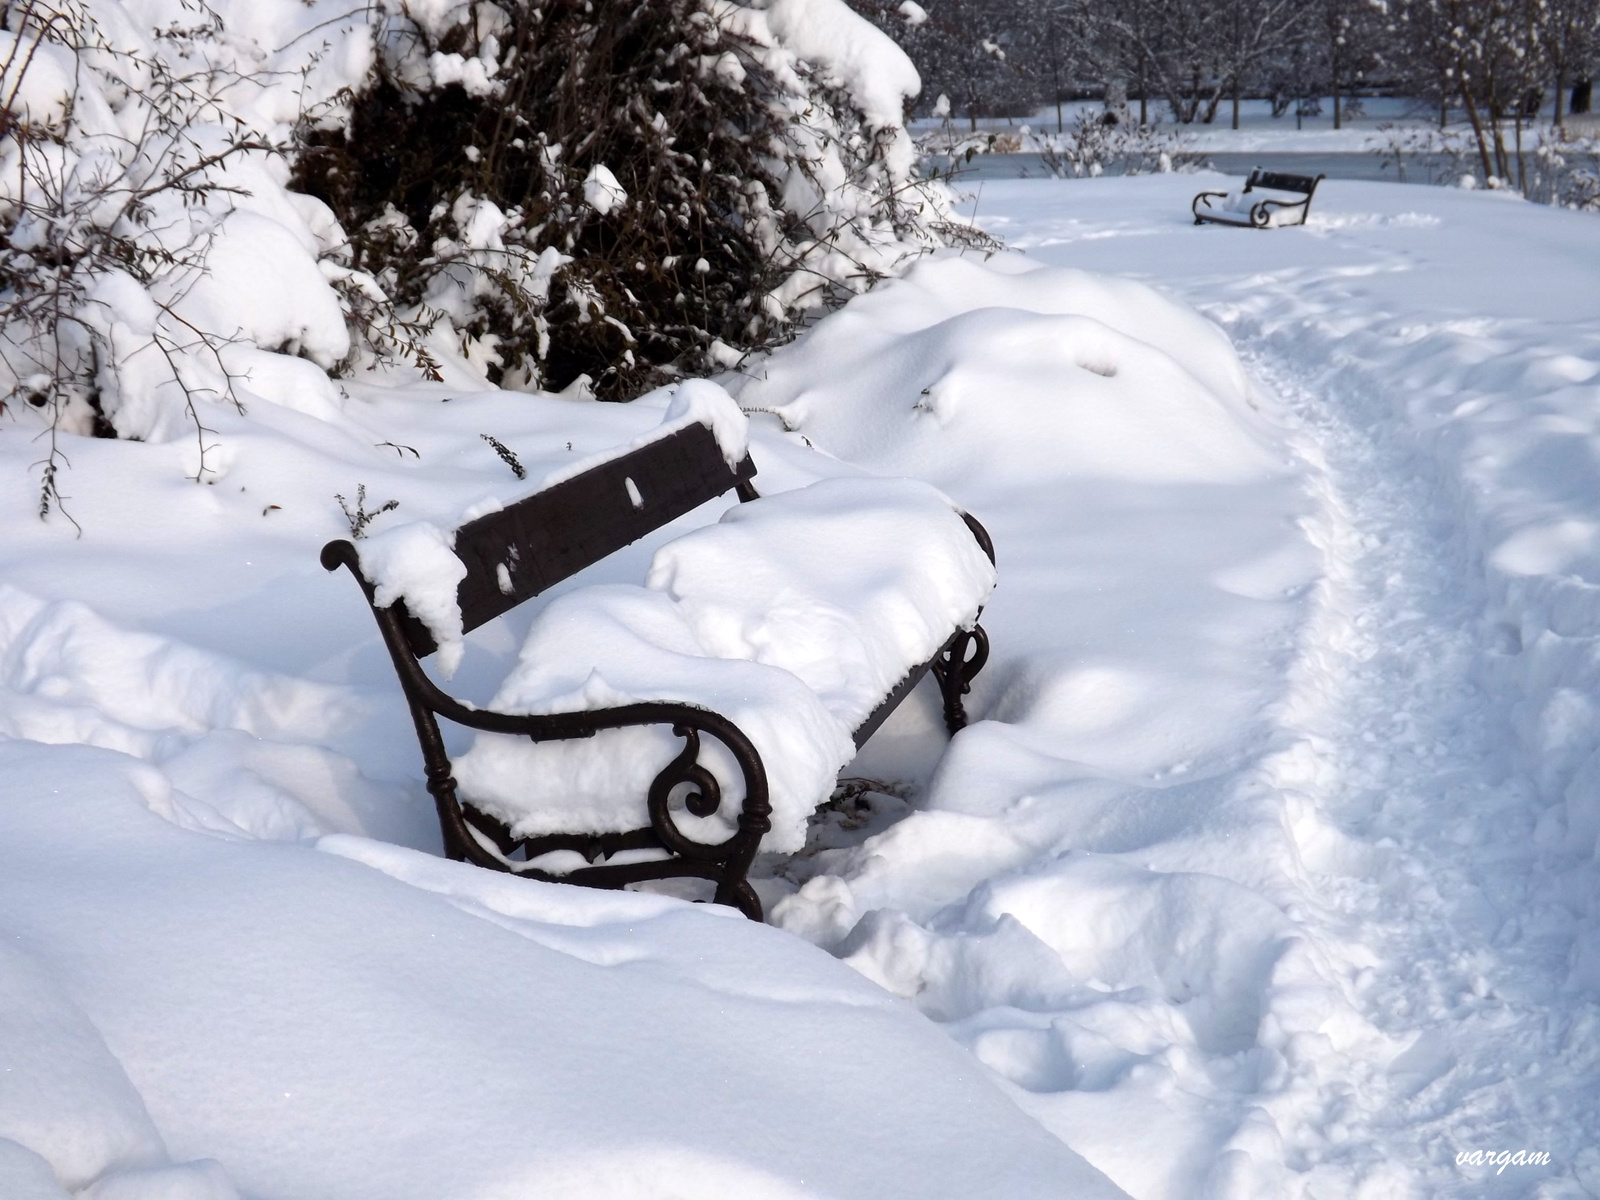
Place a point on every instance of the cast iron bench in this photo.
(522, 550)
(1261, 213)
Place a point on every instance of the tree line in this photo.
(1488, 62)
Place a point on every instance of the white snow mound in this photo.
(793, 616)
(1050, 371)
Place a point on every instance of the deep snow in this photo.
(1267, 868)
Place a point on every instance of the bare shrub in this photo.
(96, 209)
(1099, 143)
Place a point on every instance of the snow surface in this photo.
(1267, 868)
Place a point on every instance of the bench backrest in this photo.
(526, 547)
(1279, 182)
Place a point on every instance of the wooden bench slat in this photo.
(1280, 182)
(553, 534)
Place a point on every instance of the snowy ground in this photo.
(1268, 868)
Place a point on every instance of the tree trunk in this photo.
(1178, 104)
(1502, 161)
(1337, 117)
(1522, 168)
(1477, 129)
(1561, 86)
(1236, 102)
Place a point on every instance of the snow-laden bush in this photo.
(150, 260)
(103, 190)
(1547, 169)
(1096, 145)
(615, 192)
(532, 194)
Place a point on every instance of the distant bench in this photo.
(529, 546)
(1268, 199)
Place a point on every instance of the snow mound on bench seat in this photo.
(848, 583)
(614, 644)
(793, 617)
(1239, 202)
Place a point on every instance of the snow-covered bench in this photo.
(675, 728)
(1268, 198)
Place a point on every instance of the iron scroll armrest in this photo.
(1262, 211)
(1194, 205)
(725, 863)
(953, 666)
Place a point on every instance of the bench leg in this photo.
(955, 668)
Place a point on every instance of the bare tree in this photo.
(95, 213)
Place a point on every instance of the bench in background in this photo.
(1252, 210)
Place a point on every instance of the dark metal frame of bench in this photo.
(547, 537)
(1261, 212)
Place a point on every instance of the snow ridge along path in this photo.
(1410, 815)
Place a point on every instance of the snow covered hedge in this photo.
(621, 191)
(229, 203)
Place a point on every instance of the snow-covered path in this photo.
(1413, 822)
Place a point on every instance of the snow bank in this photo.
(1089, 890)
(966, 365)
(794, 616)
(63, 1095)
(370, 1006)
(238, 744)
(179, 743)
(1403, 849)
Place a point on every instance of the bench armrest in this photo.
(1266, 208)
(727, 862)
